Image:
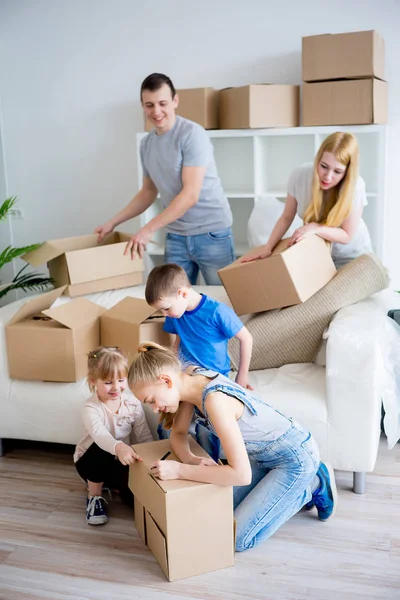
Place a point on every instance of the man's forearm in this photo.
(178, 207)
(136, 206)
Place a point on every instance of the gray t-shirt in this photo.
(300, 187)
(163, 156)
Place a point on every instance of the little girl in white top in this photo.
(109, 416)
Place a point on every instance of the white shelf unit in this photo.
(257, 163)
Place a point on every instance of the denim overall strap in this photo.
(233, 390)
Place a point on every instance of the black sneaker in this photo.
(96, 513)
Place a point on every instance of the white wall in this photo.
(70, 73)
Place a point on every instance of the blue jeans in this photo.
(282, 473)
(206, 252)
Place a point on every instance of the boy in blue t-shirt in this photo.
(202, 326)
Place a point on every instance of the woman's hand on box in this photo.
(303, 232)
(264, 253)
(126, 454)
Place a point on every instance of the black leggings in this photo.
(99, 466)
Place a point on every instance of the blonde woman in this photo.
(272, 461)
(329, 196)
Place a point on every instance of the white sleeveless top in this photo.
(300, 187)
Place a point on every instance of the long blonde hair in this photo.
(339, 200)
(149, 362)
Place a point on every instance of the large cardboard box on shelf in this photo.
(289, 276)
(347, 102)
(130, 322)
(51, 344)
(85, 266)
(188, 526)
(196, 104)
(257, 106)
(343, 56)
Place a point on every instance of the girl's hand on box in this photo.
(303, 232)
(165, 469)
(126, 454)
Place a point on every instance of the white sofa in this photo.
(338, 397)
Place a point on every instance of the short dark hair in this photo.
(153, 82)
(165, 280)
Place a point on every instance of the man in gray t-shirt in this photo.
(178, 164)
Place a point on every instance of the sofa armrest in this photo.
(356, 377)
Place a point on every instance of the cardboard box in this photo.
(343, 56)
(85, 266)
(51, 344)
(130, 322)
(196, 104)
(254, 106)
(347, 102)
(289, 276)
(188, 526)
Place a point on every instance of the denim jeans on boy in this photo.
(206, 252)
(282, 472)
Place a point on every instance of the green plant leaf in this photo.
(10, 253)
(6, 209)
(27, 282)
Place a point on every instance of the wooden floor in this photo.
(47, 551)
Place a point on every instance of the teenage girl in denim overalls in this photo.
(271, 460)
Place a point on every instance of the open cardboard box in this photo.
(289, 276)
(51, 344)
(130, 322)
(84, 266)
(188, 526)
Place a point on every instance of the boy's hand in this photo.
(126, 454)
(243, 381)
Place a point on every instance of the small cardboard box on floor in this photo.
(347, 102)
(353, 55)
(85, 266)
(188, 526)
(289, 276)
(196, 104)
(130, 322)
(261, 105)
(51, 344)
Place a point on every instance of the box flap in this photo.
(100, 262)
(37, 305)
(131, 310)
(53, 248)
(75, 314)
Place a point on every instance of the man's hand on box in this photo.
(126, 454)
(103, 230)
(303, 232)
(137, 244)
(165, 469)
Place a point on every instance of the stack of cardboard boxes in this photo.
(344, 85)
(344, 79)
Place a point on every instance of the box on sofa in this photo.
(51, 344)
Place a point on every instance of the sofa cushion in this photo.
(294, 334)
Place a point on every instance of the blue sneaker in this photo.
(310, 505)
(96, 513)
(325, 496)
